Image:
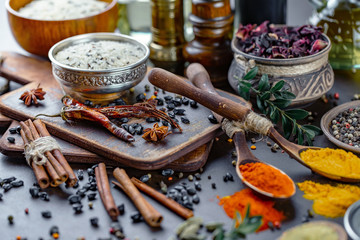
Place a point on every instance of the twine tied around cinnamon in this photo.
(252, 122)
(35, 150)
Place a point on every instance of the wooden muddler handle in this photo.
(149, 213)
(167, 202)
(172, 83)
(197, 75)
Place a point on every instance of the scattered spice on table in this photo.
(330, 200)
(32, 96)
(333, 161)
(239, 201)
(267, 178)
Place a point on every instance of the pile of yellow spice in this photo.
(334, 161)
(330, 200)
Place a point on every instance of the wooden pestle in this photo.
(172, 83)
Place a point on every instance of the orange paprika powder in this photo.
(267, 178)
(239, 201)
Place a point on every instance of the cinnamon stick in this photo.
(57, 166)
(103, 186)
(167, 202)
(39, 171)
(55, 178)
(71, 181)
(149, 213)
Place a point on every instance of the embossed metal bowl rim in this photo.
(328, 117)
(286, 61)
(16, 13)
(89, 37)
(349, 217)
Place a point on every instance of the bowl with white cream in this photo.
(98, 66)
(38, 24)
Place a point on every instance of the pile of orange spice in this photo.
(267, 178)
(239, 201)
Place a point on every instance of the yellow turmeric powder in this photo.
(334, 161)
(330, 200)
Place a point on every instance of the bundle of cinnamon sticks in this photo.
(55, 169)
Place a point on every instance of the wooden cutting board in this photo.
(74, 154)
(23, 70)
(139, 154)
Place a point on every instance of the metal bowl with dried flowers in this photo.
(297, 55)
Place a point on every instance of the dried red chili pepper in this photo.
(138, 110)
(80, 113)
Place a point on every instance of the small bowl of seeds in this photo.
(341, 125)
(98, 67)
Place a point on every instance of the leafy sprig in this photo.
(240, 227)
(272, 100)
(188, 230)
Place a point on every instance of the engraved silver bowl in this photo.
(98, 86)
(307, 77)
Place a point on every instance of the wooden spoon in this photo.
(231, 110)
(201, 79)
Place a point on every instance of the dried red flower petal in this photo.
(269, 41)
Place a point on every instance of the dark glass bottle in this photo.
(212, 25)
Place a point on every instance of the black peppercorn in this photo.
(46, 214)
(11, 139)
(13, 130)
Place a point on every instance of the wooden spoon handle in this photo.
(198, 75)
(172, 83)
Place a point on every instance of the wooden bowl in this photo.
(325, 124)
(307, 77)
(38, 36)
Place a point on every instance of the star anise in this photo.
(156, 133)
(32, 96)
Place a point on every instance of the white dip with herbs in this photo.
(100, 55)
(61, 9)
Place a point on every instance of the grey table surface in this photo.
(73, 226)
